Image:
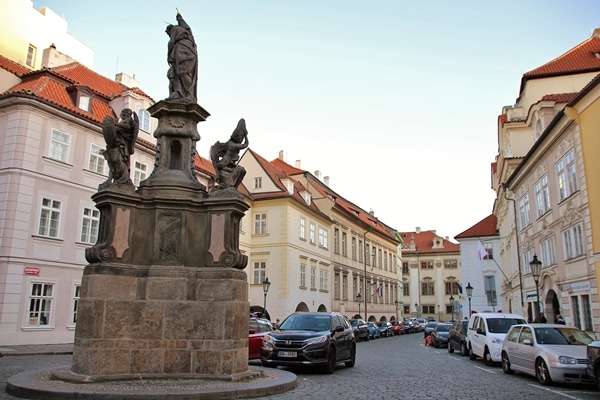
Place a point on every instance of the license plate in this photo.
(289, 354)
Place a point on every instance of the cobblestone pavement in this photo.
(386, 368)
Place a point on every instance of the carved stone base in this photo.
(150, 321)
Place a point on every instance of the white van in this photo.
(486, 333)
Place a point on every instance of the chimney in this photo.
(372, 212)
(51, 57)
(318, 174)
(127, 80)
(298, 164)
(281, 154)
(326, 180)
(418, 229)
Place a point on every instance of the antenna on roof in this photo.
(117, 66)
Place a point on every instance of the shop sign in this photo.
(32, 271)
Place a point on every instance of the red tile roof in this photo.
(13, 67)
(424, 243)
(486, 227)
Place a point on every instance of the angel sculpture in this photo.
(225, 157)
(120, 140)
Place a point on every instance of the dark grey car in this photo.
(439, 336)
(457, 337)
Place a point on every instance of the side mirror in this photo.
(339, 328)
(528, 342)
(480, 332)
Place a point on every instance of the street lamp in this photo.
(439, 314)
(358, 297)
(452, 306)
(417, 309)
(536, 269)
(266, 284)
(396, 303)
(469, 289)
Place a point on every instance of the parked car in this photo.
(373, 330)
(360, 329)
(398, 328)
(422, 323)
(258, 328)
(550, 352)
(429, 328)
(486, 333)
(457, 337)
(593, 361)
(320, 339)
(439, 336)
(409, 327)
(386, 329)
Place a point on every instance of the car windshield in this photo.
(442, 328)
(562, 336)
(431, 325)
(502, 325)
(301, 322)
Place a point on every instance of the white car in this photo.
(486, 333)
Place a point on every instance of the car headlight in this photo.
(496, 340)
(267, 339)
(317, 340)
(567, 360)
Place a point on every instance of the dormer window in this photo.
(307, 197)
(81, 96)
(84, 103)
(289, 185)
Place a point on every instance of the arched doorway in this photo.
(551, 306)
(302, 307)
(322, 308)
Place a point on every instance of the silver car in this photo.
(550, 352)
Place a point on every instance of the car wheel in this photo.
(487, 358)
(464, 351)
(350, 363)
(541, 372)
(450, 348)
(472, 355)
(330, 366)
(506, 364)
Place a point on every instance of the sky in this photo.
(395, 101)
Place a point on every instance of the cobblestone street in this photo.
(389, 368)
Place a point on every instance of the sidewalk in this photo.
(21, 350)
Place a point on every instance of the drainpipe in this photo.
(517, 238)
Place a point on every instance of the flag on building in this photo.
(459, 287)
(380, 291)
(482, 253)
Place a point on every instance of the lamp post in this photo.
(396, 303)
(266, 284)
(439, 314)
(358, 297)
(536, 268)
(417, 309)
(469, 289)
(452, 306)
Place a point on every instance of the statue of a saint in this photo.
(120, 140)
(183, 63)
(225, 157)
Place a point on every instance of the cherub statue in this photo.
(120, 137)
(225, 157)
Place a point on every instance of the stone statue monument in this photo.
(225, 157)
(120, 140)
(182, 57)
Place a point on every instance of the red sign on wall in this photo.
(32, 271)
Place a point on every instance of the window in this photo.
(344, 244)
(144, 118)
(76, 296)
(59, 146)
(367, 254)
(139, 173)
(524, 210)
(84, 103)
(313, 277)
(312, 233)
(345, 287)
(526, 258)
(260, 224)
(385, 260)
(49, 218)
(427, 289)
(323, 280)
(450, 264)
(336, 240)
(323, 241)
(97, 161)
(336, 286)
(260, 272)
(31, 53)
(303, 275)
(573, 241)
(405, 268)
(489, 248)
(360, 251)
(548, 252)
(302, 228)
(451, 288)
(428, 309)
(587, 313)
(490, 290)
(258, 182)
(89, 225)
(426, 264)
(40, 304)
(354, 248)
(542, 196)
(566, 175)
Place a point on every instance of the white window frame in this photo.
(259, 272)
(97, 162)
(313, 277)
(49, 221)
(548, 252)
(39, 312)
(144, 118)
(524, 211)
(526, 257)
(260, 223)
(323, 280)
(302, 228)
(31, 54)
(140, 172)
(258, 182)
(312, 233)
(84, 102)
(573, 245)
(323, 238)
(542, 196)
(302, 275)
(90, 225)
(566, 175)
(60, 145)
(75, 303)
